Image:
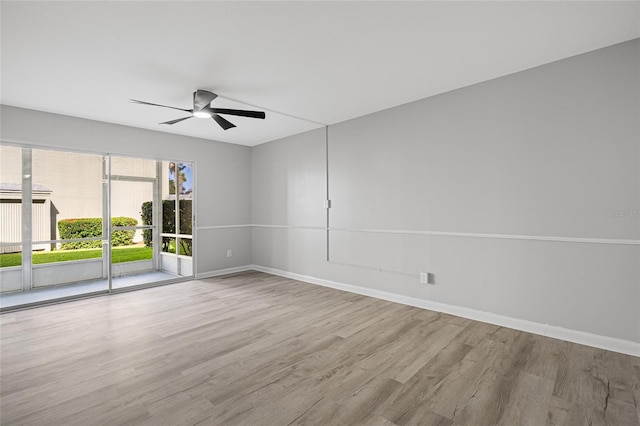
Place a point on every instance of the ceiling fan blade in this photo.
(177, 120)
(202, 99)
(163, 106)
(226, 125)
(239, 112)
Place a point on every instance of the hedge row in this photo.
(169, 222)
(91, 228)
(168, 218)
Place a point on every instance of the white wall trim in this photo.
(575, 336)
(225, 271)
(464, 234)
(319, 228)
(223, 226)
(497, 236)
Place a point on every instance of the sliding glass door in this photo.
(51, 234)
(67, 231)
(11, 223)
(133, 186)
(177, 218)
(151, 221)
(76, 223)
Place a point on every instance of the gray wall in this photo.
(542, 153)
(222, 172)
(550, 152)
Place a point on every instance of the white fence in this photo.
(11, 224)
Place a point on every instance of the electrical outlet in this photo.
(427, 278)
(229, 253)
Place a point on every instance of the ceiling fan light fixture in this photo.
(202, 109)
(202, 114)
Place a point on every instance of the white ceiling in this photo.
(322, 61)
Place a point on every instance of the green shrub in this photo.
(146, 214)
(123, 238)
(168, 218)
(169, 223)
(92, 228)
(80, 228)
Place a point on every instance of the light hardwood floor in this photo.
(255, 349)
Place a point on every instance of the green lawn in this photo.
(119, 255)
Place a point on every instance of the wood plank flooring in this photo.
(256, 349)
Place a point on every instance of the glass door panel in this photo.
(67, 230)
(91, 223)
(177, 185)
(133, 258)
(11, 223)
(185, 196)
(54, 202)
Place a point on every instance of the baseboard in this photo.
(580, 337)
(225, 271)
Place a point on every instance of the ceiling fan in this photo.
(202, 109)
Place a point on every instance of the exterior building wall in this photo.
(75, 182)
